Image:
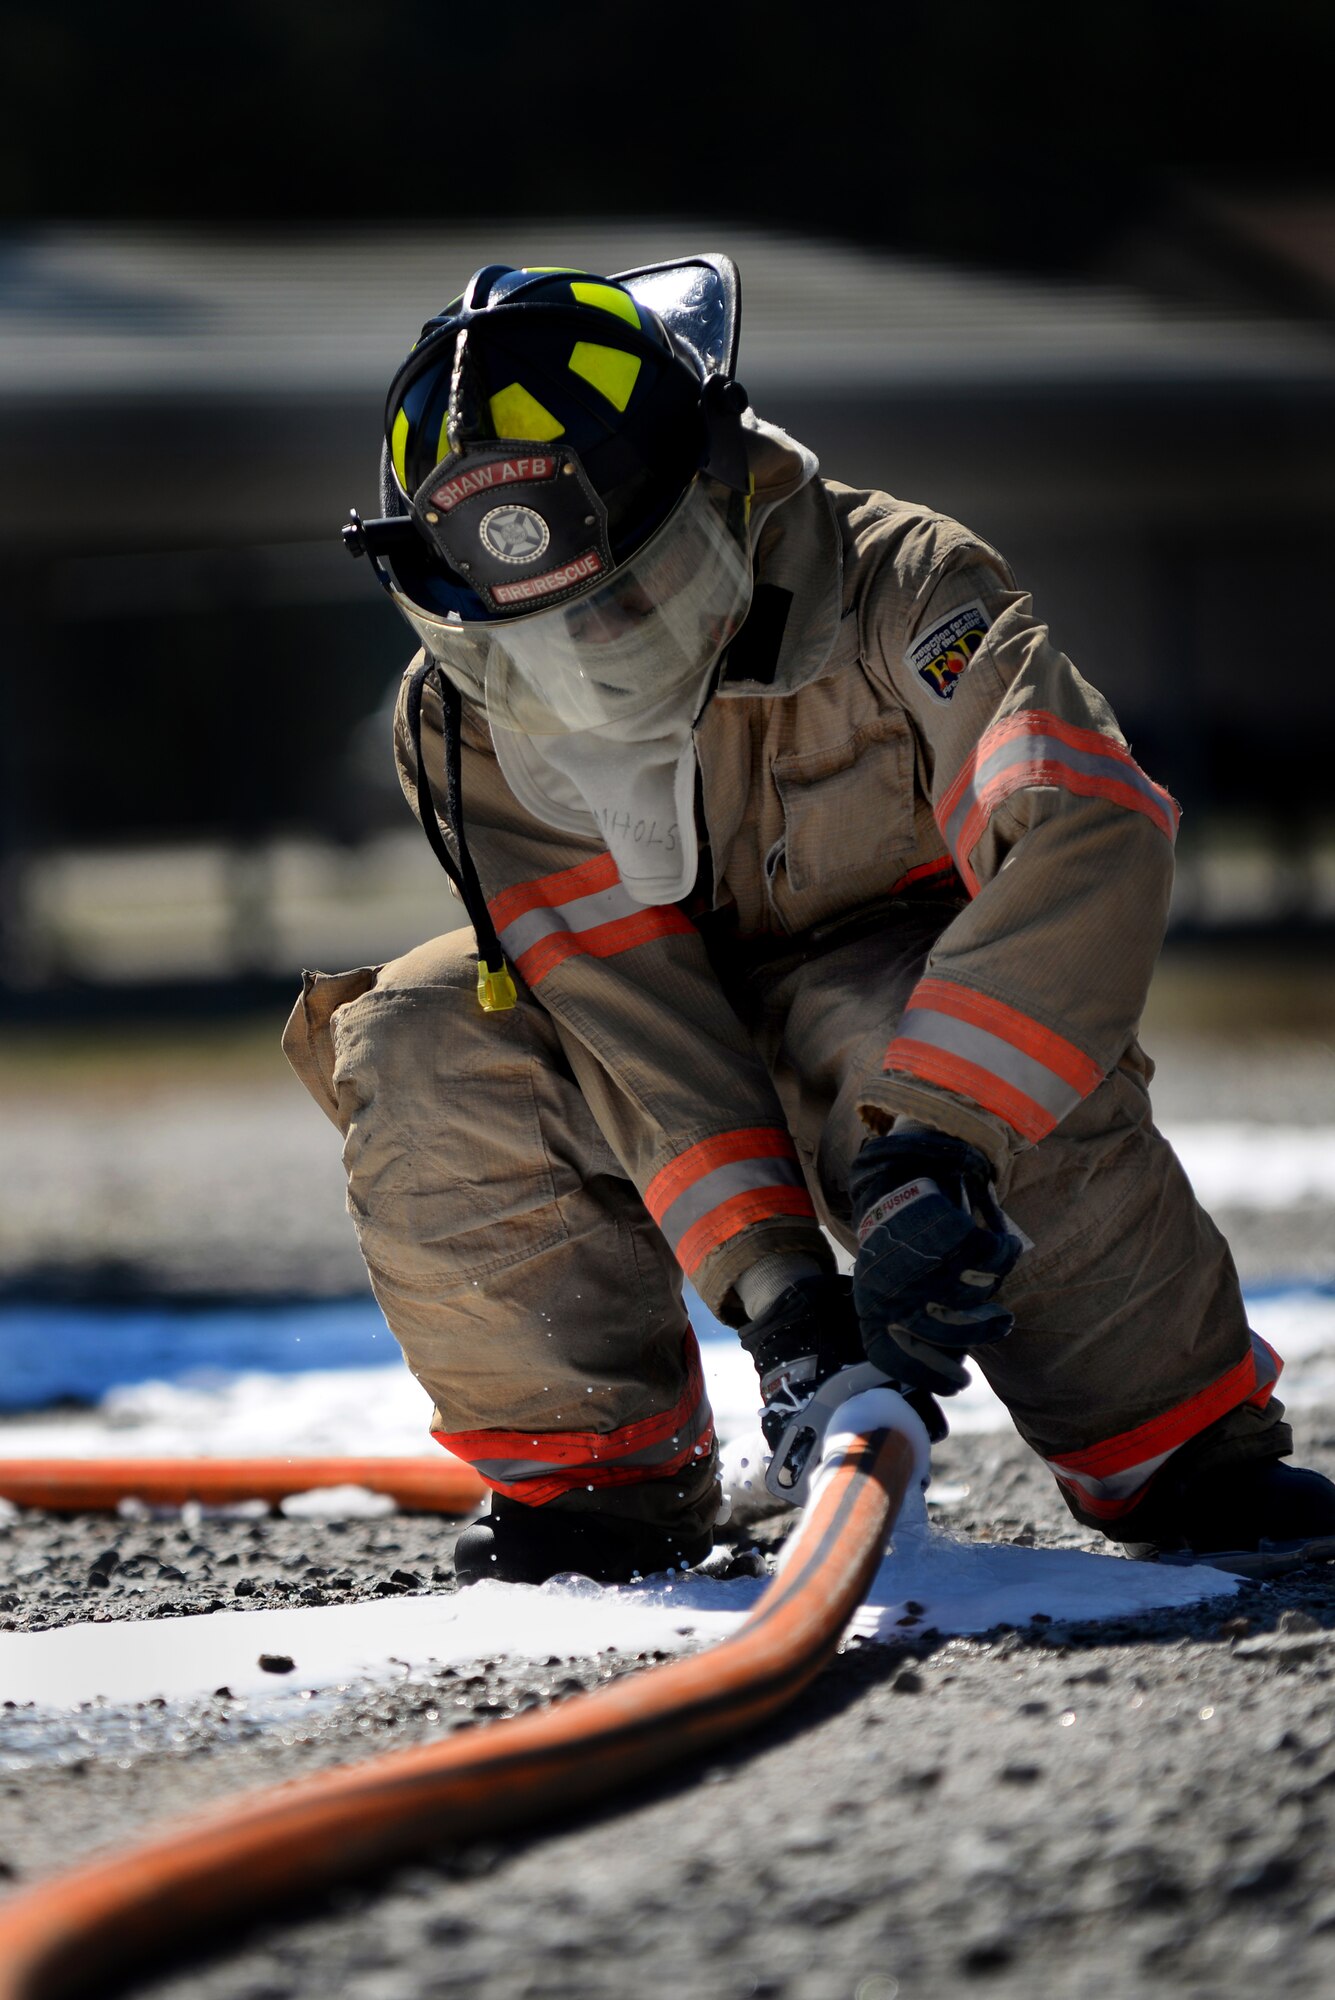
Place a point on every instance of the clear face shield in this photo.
(602, 660)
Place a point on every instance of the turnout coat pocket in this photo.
(848, 817)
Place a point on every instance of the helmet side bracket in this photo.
(722, 402)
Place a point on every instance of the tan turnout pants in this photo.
(540, 1307)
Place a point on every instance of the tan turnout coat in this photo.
(934, 884)
(842, 781)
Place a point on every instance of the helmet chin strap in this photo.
(495, 983)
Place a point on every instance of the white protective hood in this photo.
(632, 784)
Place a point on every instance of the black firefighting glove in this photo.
(933, 1247)
(808, 1352)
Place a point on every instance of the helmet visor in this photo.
(597, 661)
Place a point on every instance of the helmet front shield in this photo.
(601, 659)
(568, 487)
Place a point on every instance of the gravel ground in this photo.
(1118, 1809)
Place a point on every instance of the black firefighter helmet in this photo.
(564, 481)
(566, 513)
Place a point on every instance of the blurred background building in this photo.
(1070, 281)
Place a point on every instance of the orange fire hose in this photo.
(439, 1485)
(62, 1939)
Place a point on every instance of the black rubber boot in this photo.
(519, 1544)
(1259, 1518)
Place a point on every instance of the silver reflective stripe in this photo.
(1114, 1485)
(583, 913)
(702, 1197)
(1267, 1363)
(988, 1052)
(513, 1471)
(1025, 750)
(1120, 1485)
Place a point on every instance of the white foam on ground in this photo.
(953, 1586)
(382, 1412)
(961, 1587)
(337, 1503)
(333, 1644)
(327, 1412)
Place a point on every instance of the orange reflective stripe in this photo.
(578, 912)
(585, 879)
(604, 941)
(1041, 721)
(1165, 1433)
(943, 870)
(1109, 1478)
(1009, 1063)
(1071, 1064)
(723, 1185)
(736, 1214)
(1039, 748)
(570, 1447)
(565, 1461)
(1083, 784)
(1031, 1120)
(752, 1142)
(538, 1492)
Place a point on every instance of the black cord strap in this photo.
(461, 870)
(426, 805)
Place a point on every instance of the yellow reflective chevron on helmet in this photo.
(516, 414)
(611, 370)
(398, 447)
(609, 298)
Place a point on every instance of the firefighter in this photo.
(814, 898)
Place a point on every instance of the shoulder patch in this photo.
(939, 655)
